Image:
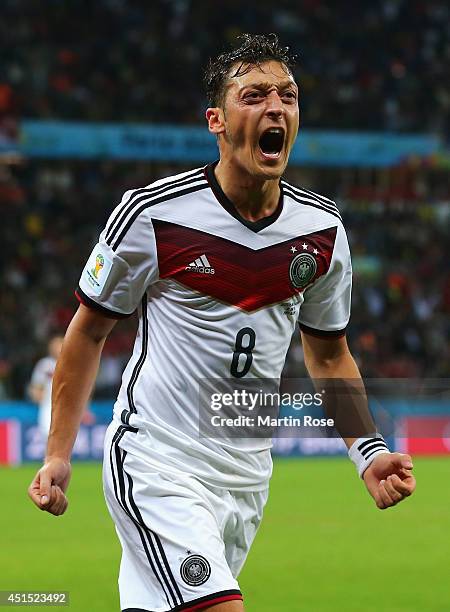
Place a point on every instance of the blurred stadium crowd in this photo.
(366, 65)
(52, 213)
(362, 65)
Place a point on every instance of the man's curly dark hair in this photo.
(253, 51)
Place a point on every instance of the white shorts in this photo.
(183, 543)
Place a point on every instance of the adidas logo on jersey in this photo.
(201, 264)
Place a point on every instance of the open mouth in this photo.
(271, 142)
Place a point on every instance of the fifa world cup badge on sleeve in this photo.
(97, 270)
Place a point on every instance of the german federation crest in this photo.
(195, 570)
(302, 269)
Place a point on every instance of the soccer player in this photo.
(221, 263)
(40, 388)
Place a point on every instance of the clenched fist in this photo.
(389, 479)
(48, 487)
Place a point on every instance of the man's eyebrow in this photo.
(268, 85)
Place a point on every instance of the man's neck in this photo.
(253, 198)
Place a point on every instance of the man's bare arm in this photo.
(330, 358)
(388, 479)
(73, 382)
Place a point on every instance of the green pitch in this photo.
(322, 547)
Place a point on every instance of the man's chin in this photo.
(271, 170)
(263, 169)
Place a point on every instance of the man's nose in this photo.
(274, 107)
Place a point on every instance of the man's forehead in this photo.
(266, 74)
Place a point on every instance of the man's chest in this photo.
(237, 274)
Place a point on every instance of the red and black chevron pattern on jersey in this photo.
(242, 277)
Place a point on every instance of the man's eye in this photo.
(253, 95)
(289, 94)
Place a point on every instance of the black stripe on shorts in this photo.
(150, 540)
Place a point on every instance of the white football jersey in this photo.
(218, 297)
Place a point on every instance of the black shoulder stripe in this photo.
(300, 200)
(139, 194)
(154, 190)
(147, 203)
(319, 197)
(302, 192)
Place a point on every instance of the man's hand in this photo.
(389, 479)
(48, 487)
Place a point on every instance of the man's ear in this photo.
(216, 120)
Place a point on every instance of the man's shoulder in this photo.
(137, 200)
(306, 197)
(135, 203)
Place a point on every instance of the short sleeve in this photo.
(122, 265)
(326, 307)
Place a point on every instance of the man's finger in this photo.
(56, 508)
(384, 495)
(53, 500)
(34, 491)
(395, 495)
(402, 461)
(62, 505)
(379, 502)
(405, 487)
(58, 501)
(404, 474)
(45, 488)
(49, 500)
(65, 505)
